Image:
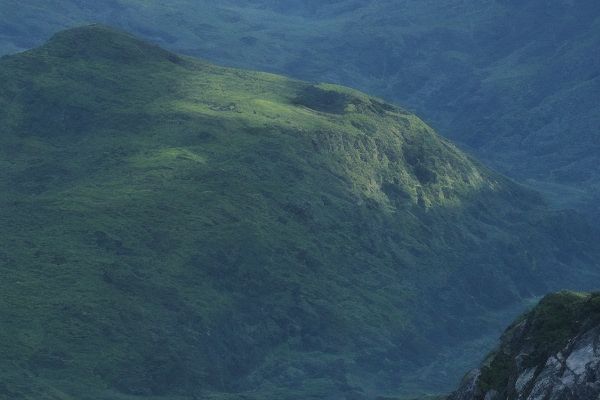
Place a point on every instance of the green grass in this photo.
(468, 67)
(171, 229)
(516, 85)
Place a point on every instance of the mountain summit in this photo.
(101, 42)
(175, 229)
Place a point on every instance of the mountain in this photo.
(550, 353)
(172, 229)
(514, 82)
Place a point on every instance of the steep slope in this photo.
(550, 353)
(514, 81)
(174, 229)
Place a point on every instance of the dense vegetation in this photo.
(174, 229)
(514, 81)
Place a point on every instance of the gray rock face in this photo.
(468, 388)
(570, 373)
(573, 373)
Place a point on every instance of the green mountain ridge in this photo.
(513, 82)
(172, 229)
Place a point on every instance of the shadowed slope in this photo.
(172, 228)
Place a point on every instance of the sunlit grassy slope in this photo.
(516, 82)
(171, 229)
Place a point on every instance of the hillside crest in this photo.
(103, 42)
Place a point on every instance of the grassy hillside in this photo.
(176, 230)
(515, 82)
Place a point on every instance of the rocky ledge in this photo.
(551, 353)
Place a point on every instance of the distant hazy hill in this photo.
(515, 81)
(173, 228)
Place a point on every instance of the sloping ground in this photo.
(514, 81)
(172, 229)
(550, 353)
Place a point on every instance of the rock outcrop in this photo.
(552, 353)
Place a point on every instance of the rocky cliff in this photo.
(552, 353)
